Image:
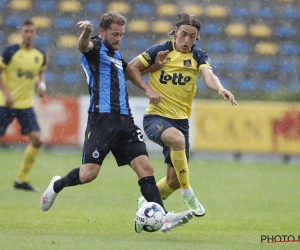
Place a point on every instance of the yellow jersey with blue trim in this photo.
(21, 67)
(176, 81)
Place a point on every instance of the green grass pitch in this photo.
(243, 201)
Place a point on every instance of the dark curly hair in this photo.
(111, 17)
(184, 18)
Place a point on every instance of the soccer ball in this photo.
(151, 216)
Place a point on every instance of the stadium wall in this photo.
(251, 127)
(216, 126)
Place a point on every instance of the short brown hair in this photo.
(184, 18)
(27, 22)
(111, 17)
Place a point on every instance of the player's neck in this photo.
(27, 46)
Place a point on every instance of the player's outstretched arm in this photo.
(84, 43)
(133, 72)
(213, 82)
(8, 98)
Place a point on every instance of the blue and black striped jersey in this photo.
(104, 70)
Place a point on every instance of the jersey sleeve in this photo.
(44, 65)
(7, 54)
(97, 45)
(148, 57)
(202, 59)
(124, 64)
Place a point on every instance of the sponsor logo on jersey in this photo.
(176, 78)
(117, 62)
(25, 74)
(146, 56)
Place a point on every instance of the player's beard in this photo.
(111, 46)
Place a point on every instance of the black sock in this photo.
(150, 191)
(71, 179)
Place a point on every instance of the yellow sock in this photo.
(28, 160)
(164, 189)
(181, 167)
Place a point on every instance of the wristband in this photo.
(42, 85)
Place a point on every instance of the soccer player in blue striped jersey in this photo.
(110, 125)
(166, 120)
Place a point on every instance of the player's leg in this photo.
(154, 126)
(7, 115)
(131, 149)
(77, 176)
(145, 172)
(179, 148)
(161, 130)
(31, 128)
(173, 136)
(169, 184)
(85, 174)
(92, 159)
(146, 180)
(28, 160)
(88, 171)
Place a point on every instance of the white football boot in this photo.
(175, 220)
(49, 195)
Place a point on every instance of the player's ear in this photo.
(101, 31)
(175, 32)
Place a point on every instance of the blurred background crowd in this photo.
(253, 45)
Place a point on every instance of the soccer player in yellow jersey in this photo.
(21, 68)
(172, 89)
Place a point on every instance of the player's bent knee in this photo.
(36, 140)
(178, 142)
(175, 142)
(143, 172)
(37, 143)
(142, 166)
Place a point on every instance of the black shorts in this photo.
(112, 132)
(26, 118)
(155, 125)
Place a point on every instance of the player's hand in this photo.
(226, 94)
(153, 96)
(86, 25)
(9, 101)
(160, 59)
